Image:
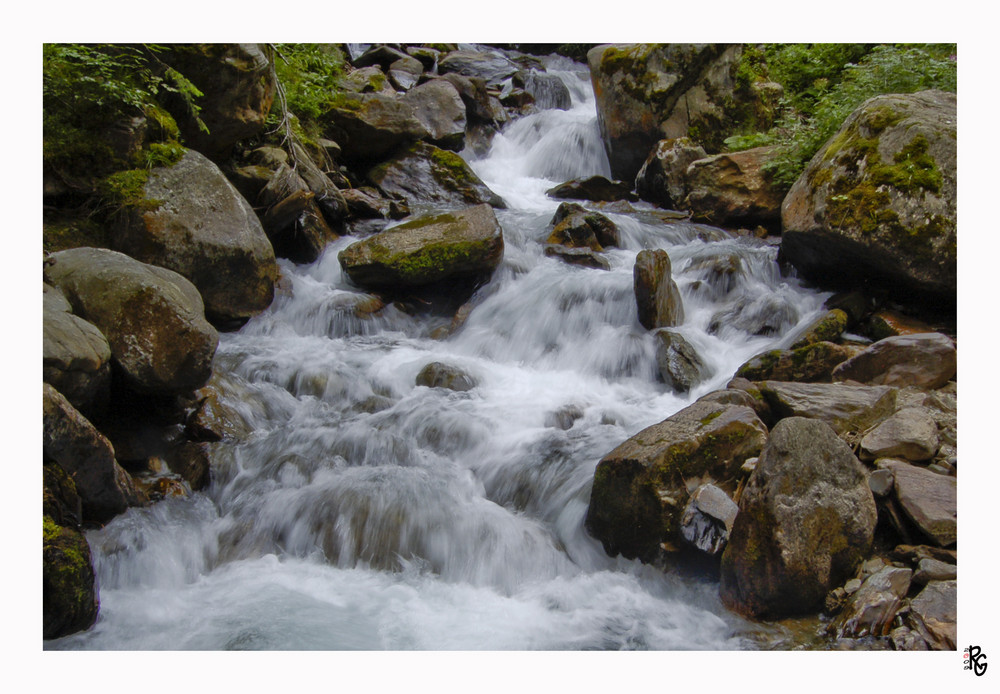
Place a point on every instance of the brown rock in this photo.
(924, 360)
(657, 296)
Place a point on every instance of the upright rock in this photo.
(76, 358)
(806, 521)
(657, 296)
(69, 590)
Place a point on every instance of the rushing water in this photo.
(365, 512)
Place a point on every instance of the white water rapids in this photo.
(365, 512)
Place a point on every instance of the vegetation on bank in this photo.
(824, 83)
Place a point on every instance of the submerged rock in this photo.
(438, 375)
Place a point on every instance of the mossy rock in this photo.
(69, 593)
(809, 363)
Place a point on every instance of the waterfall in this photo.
(364, 512)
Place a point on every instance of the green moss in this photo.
(914, 169)
(127, 190)
(711, 416)
(882, 117)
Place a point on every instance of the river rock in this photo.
(582, 257)
(76, 358)
(203, 229)
(910, 433)
(438, 375)
(405, 73)
(547, 91)
(379, 55)
(69, 591)
(876, 204)
(480, 106)
(930, 500)
(491, 66)
(763, 314)
(680, 365)
(369, 79)
(708, 519)
(461, 244)
(425, 173)
(827, 328)
(295, 226)
(847, 408)
(885, 323)
(153, 318)
(934, 614)
(806, 521)
(933, 570)
(574, 226)
(732, 189)
(438, 105)
(662, 180)
(593, 188)
(924, 360)
(60, 501)
(872, 609)
(72, 442)
(370, 126)
(640, 488)
(813, 362)
(657, 296)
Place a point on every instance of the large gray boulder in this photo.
(438, 105)
(76, 358)
(464, 244)
(641, 487)
(193, 221)
(923, 360)
(806, 521)
(846, 408)
(153, 318)
(368, 127)
(877, 203)
(657, 296)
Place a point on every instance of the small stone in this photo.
(438, 375)
(749, 465)
(852, 586)
(880, 482)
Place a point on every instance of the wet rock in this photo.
(732, 189)
(582, 257)
(721, 273)
(827, 328)
(152, 317)
(60, 502)
(924, 360)
(847, 408)
(466, 243)
(914, 554)
(547, 91)
(70, 441)
(640, 489)
(424, 173)
(928, 499)
(490, 66)
(216, 417)
(934, 614)
(405, 73)
(439, 107)
(574, 226)
(199, 226)
(708, 519)
(296, 226)
(681, 368)
(811, 363)
(438, 375)
(729, 396)
(765, 314)
(658, 298)
(480, 106)
(910, 433)
(69, 591)
(662, 179)
(885, 323)
(564, 417)
(806, 521)
(873, 607)
(593, 188)
(76, 358)
(933, 570)
(369, 79)
(379, 55)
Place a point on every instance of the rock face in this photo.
(463, 244)
(732, 190)
(924, 360)
(813, 362)
(70, 441)
(640, 489)
(806, 521)
(152, 317)
(877, 203)
(424, 173)
(930, 500)
(663, 177)
(76, 358)
(69, 595)
(657, 296)
(204, 230)
(844, 407)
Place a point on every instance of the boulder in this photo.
(576, 227)
(641, 488)
(369, 79)
(930, 500)
(480, 106)
(70, 441)
(379, 55)
(69, 591)
(876, 204)
(662, 180)
(732, 189)
(370, 126)
(438, 375)
(934, 570)
(680, 365)
(846, 408)
(547, 91)
(924, 360)
(405, 73)
(911, 433)
(582, 257)
(295, 226)
(806, 521)
(813, 362)
(593, 188)
(438, 105)
(60, 502)
(708, 519)
(491, 66)
(425, 173)
(198, 225)
(885, 323)
(152, 317)
(76, 358)
(827, 328)
(934, 615)
(657, 296)
(466, 243)
(873, 607)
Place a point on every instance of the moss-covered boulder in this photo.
(827, 328)
(424, 173)
(153, 318)
(641, 488)
(370, 126)
(806, 521)
(76, 358)
(877, 204)
(733, 189)
(464, 244)
(810, 363)
(190, 219)
(657, 296)
(69, 592)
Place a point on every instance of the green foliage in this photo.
(310, 74)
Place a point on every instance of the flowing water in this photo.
(364, 512)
